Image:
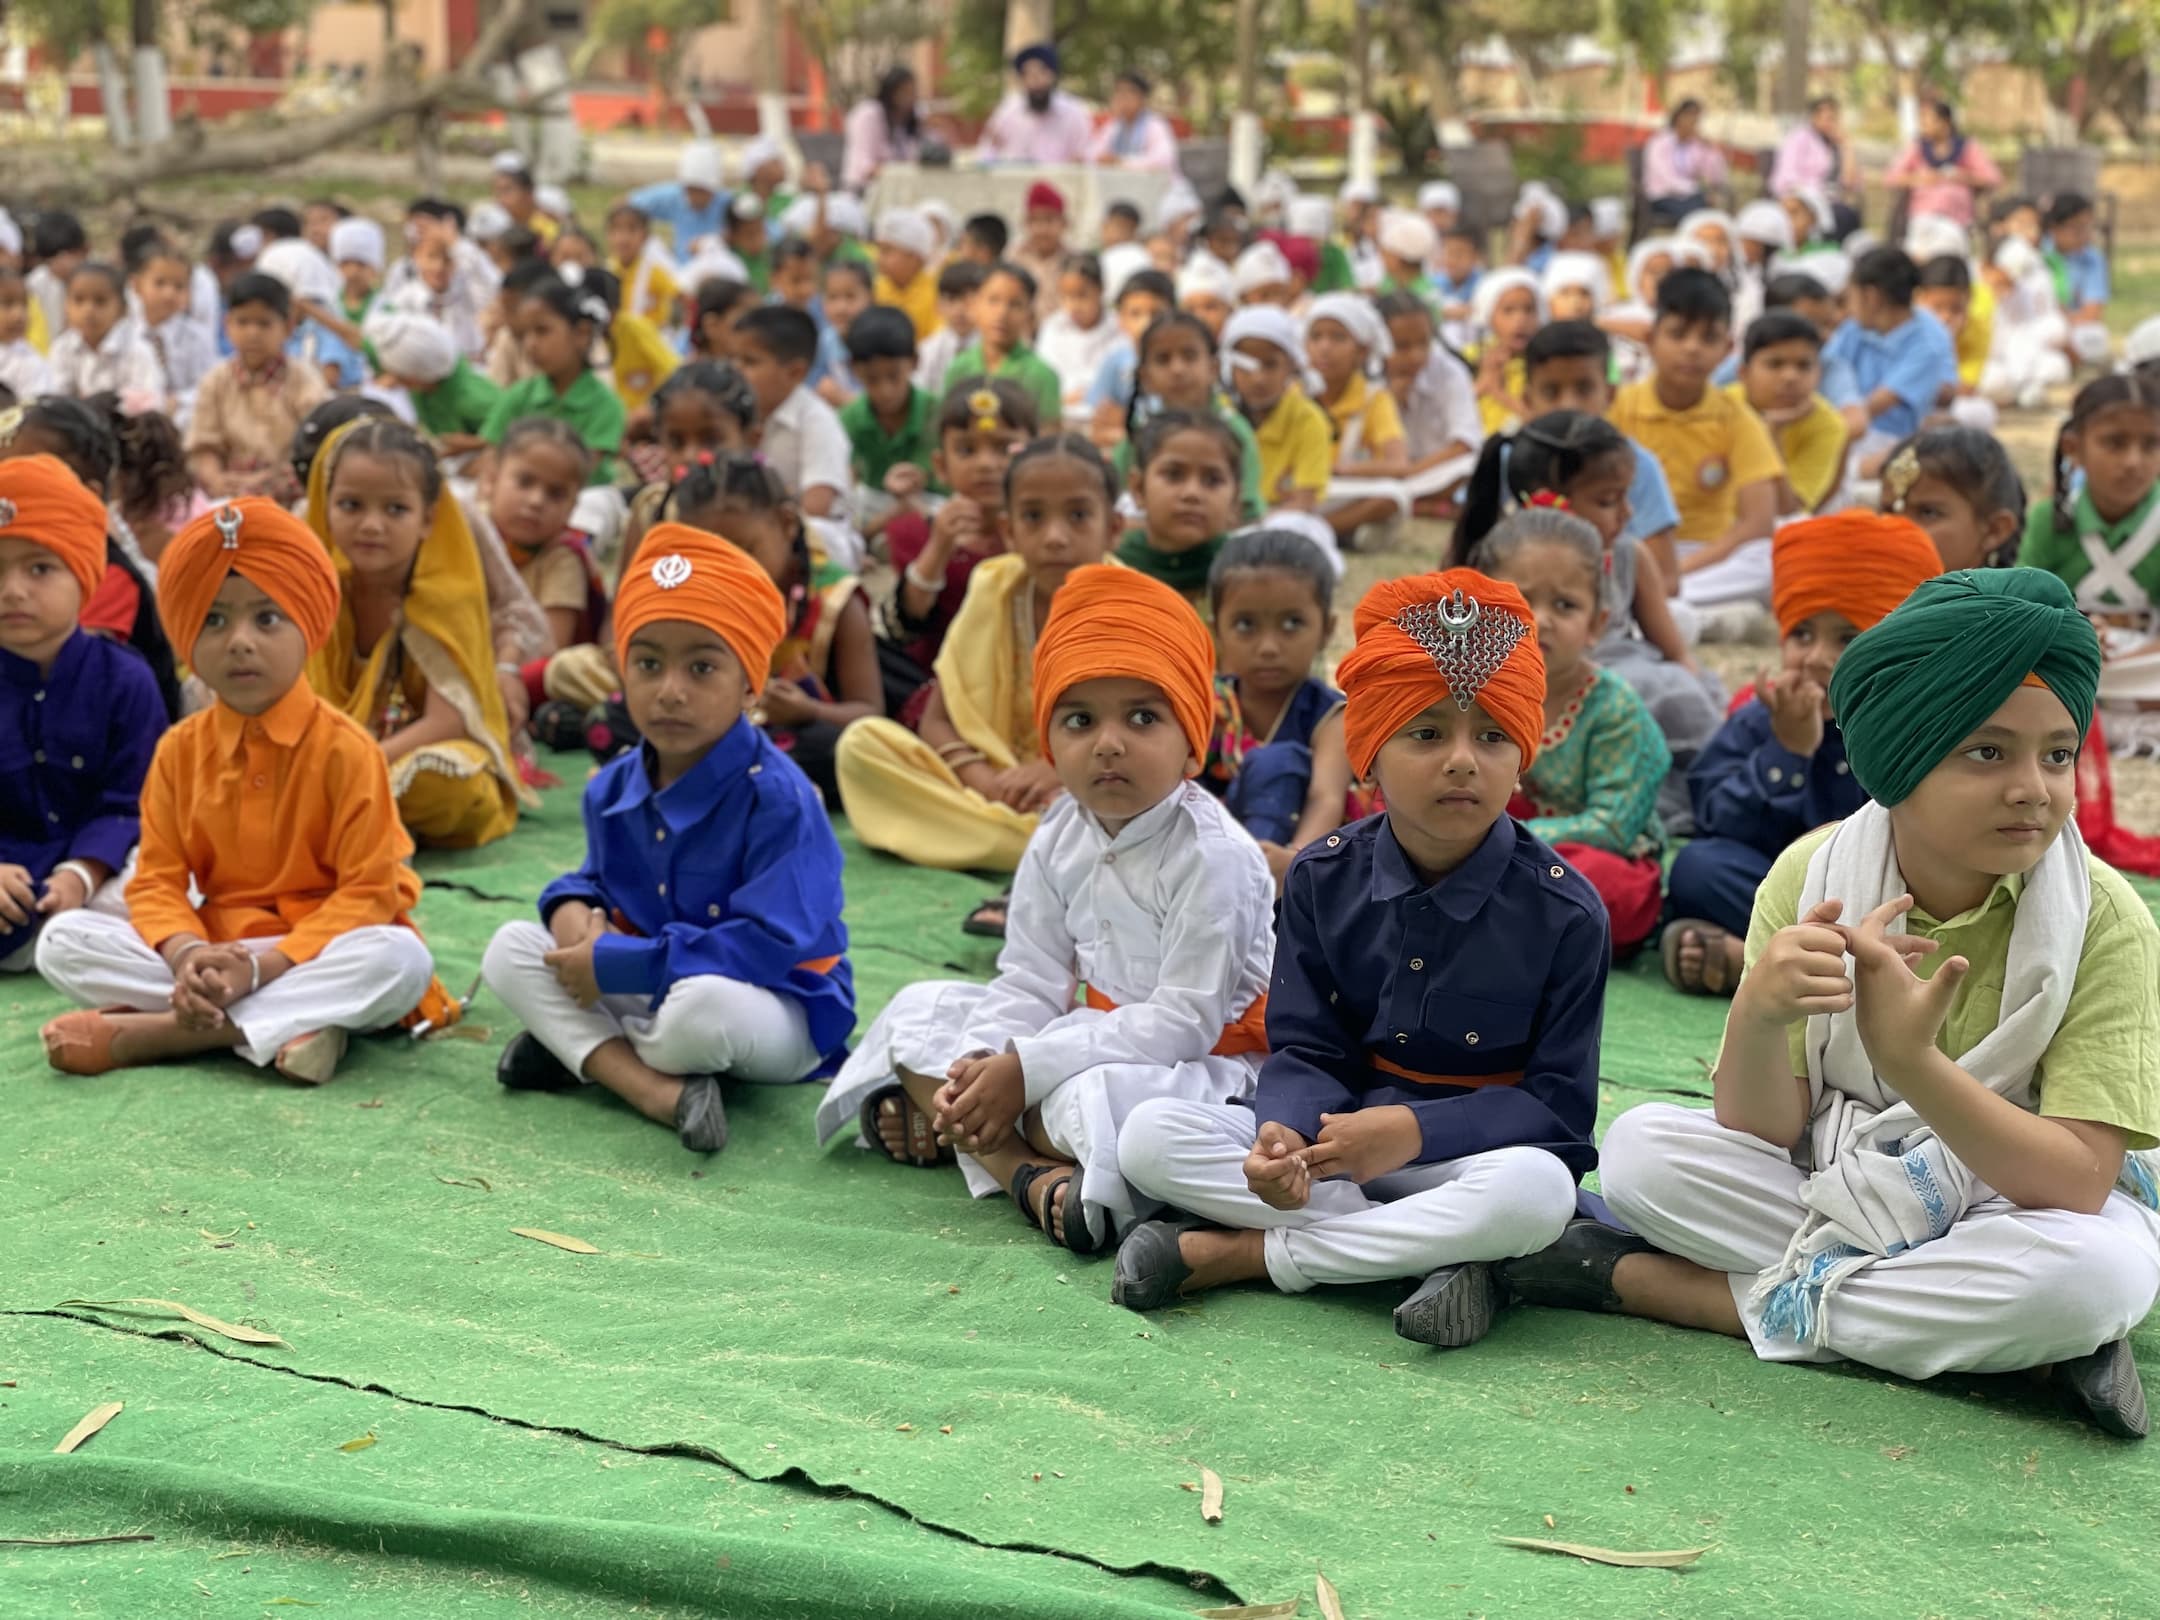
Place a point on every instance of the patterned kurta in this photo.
(1598, 771)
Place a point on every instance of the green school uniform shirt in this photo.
(2104, 1062)
(1023, 367)
(876, 452)
(588, 405)
(1252, 504)
(460, 403)
(1335, 272)
(2051, 546)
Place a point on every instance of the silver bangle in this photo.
(254, 972)
(932, 587)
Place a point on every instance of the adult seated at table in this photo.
(1680, 169)
(1944, 169)
(1815, 157)
(1134, 137)
(885, 128)
(1038, 123)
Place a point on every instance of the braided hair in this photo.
(2139, 389)
(1547, 455)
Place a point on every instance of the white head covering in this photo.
(1120, 264)
(509, 162)
(906, 230)
(1309, 216)
(1407, 235)
(1930, 236)
(1585, 270)
(1538, 201)
(554, 201)
(1438, 194)
(1273, 191)
(11, 240)
(1831, 271)
(1650, 247)
(1818, 204)
(1608, 218)
(300, 264)
(846, 215)
(411, 345)
(1358, 191)
(1179, 201)
(2017, 258)
(1765, 222)
(699, 166)
(1261, 265)
(1353, 312)
(1263, 323)
(1204, 274)
(1311, 525)
(754, 156)
(357, 241)
(2142, 344)
(799, 218)
(713, 263)
(1703, 219)
(247, 241)
(488, 221)
(1494, 285)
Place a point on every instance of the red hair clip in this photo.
(1547, 499)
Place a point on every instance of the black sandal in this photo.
(1023, 1192)
(987, 921)
(924, 1151)
(1079, 1238)
(1151, 1266)
(701, 1115)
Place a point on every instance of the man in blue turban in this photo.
(1038, 123)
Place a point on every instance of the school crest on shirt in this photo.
(1712, 473)
(671, 571)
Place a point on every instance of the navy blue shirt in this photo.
(1748, 786)
(732, 871)
(1488, 986)
(75, 746)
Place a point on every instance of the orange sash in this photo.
(1248, 1035)
(1412, 1075)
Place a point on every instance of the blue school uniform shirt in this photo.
(732, 871)
(666, 204)
(1650, 503)
(1748, 786)
(1488, 987)
(2085, 274)
(75, 747)
(1913, 360)
(1116, 378)
(314, 344)
(1451, 291)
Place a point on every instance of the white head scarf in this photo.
(1930, 236)
(906, 230)
(1204, 274)
(1407, 235)
(1263, 323)
(1355, 314)
(1765, 222)
(754, 156)
(411, 345)
(1120, 264)
(2141, 345)
(1608, 218)
(1311, 526)
(2016, 258)
(699, 166)
(488, 220)
(1494, 286)
(1585, 270)
(1652, 247)
(1435, 195)
(713, 263)
(1832, 271)
(1703, 219)
(357, 241)
(301, 265)
(1538, 201)
(1261, 265)
(1180, 201)
(1309, 216)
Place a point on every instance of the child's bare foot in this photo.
(905, 1132)
(1216, 1257)
(1702, 959)
(88, 1043)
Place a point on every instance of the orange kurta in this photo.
(284, 820)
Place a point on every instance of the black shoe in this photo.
(700, 1115)
(2104, 1389)
(1451, 1308)
(1574, 1274)
(1151, 1267)
(526, 1065)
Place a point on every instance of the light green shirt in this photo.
(2104, 1062)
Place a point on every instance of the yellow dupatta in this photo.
(987, 685)
(443, 627)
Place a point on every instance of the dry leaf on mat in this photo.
(1252, 1611)
(1330, 1599)
(93, 1420)
(1211, 1496)
(1679, 1559)
(360, 1444)
(574, 1245)
(243, 1335)
(477, 1181)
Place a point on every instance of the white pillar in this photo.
(113, 92)
(153, 109)
(1364, 148)
(1248, 144)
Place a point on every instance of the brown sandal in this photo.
(1711, 940)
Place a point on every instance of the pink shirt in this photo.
(1672, 167)
(1806, 163)
(1145, 143)
(871, 144)
(1952, 201)
(1018, 134)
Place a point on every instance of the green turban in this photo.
(1911, 689)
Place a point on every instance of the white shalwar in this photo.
(366, 979)
(1488, 1206)
(110, 900)
(1171, 922)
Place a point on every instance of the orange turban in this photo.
(686, 574)
(1456, 634)
(1860, 564)
(1107, 621)
(261, 541)
(42, 501)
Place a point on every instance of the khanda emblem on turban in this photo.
(228, 523)
(1463, 640)
(671, 571)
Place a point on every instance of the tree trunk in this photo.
(113, 92)
(1792, 85)
(153, 109)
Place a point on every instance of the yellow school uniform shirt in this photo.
(1297, 447)
(917, 300)
(643, 360)
(1977, 336)
(1710, 452)
(1813, 448)
(39, 334)
(656, 298)
(1374, 408)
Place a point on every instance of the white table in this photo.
(1002, 189)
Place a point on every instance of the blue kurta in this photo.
(732, 871)
(1488, 987)
(1915, 360)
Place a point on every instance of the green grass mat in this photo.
(844, 1388)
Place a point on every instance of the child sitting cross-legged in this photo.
(1777, 767)
(702, 938)
(1929, 1150)
(1138, 886)
(1439, 979)
(269, 911)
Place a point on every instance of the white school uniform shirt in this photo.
(1172, 920)
(807, 446)
(24, 370)
(1076, 354)
(187, 351)
(1442, 407)
(123, 363)
(934, 357)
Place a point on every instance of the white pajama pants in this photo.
(110, 900)
(705, 1025)
(1489, 1206)
(363, 980)
(1743, 576)
(2004, 1289)
(922, 1029)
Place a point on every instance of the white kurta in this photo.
(1171, 921)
